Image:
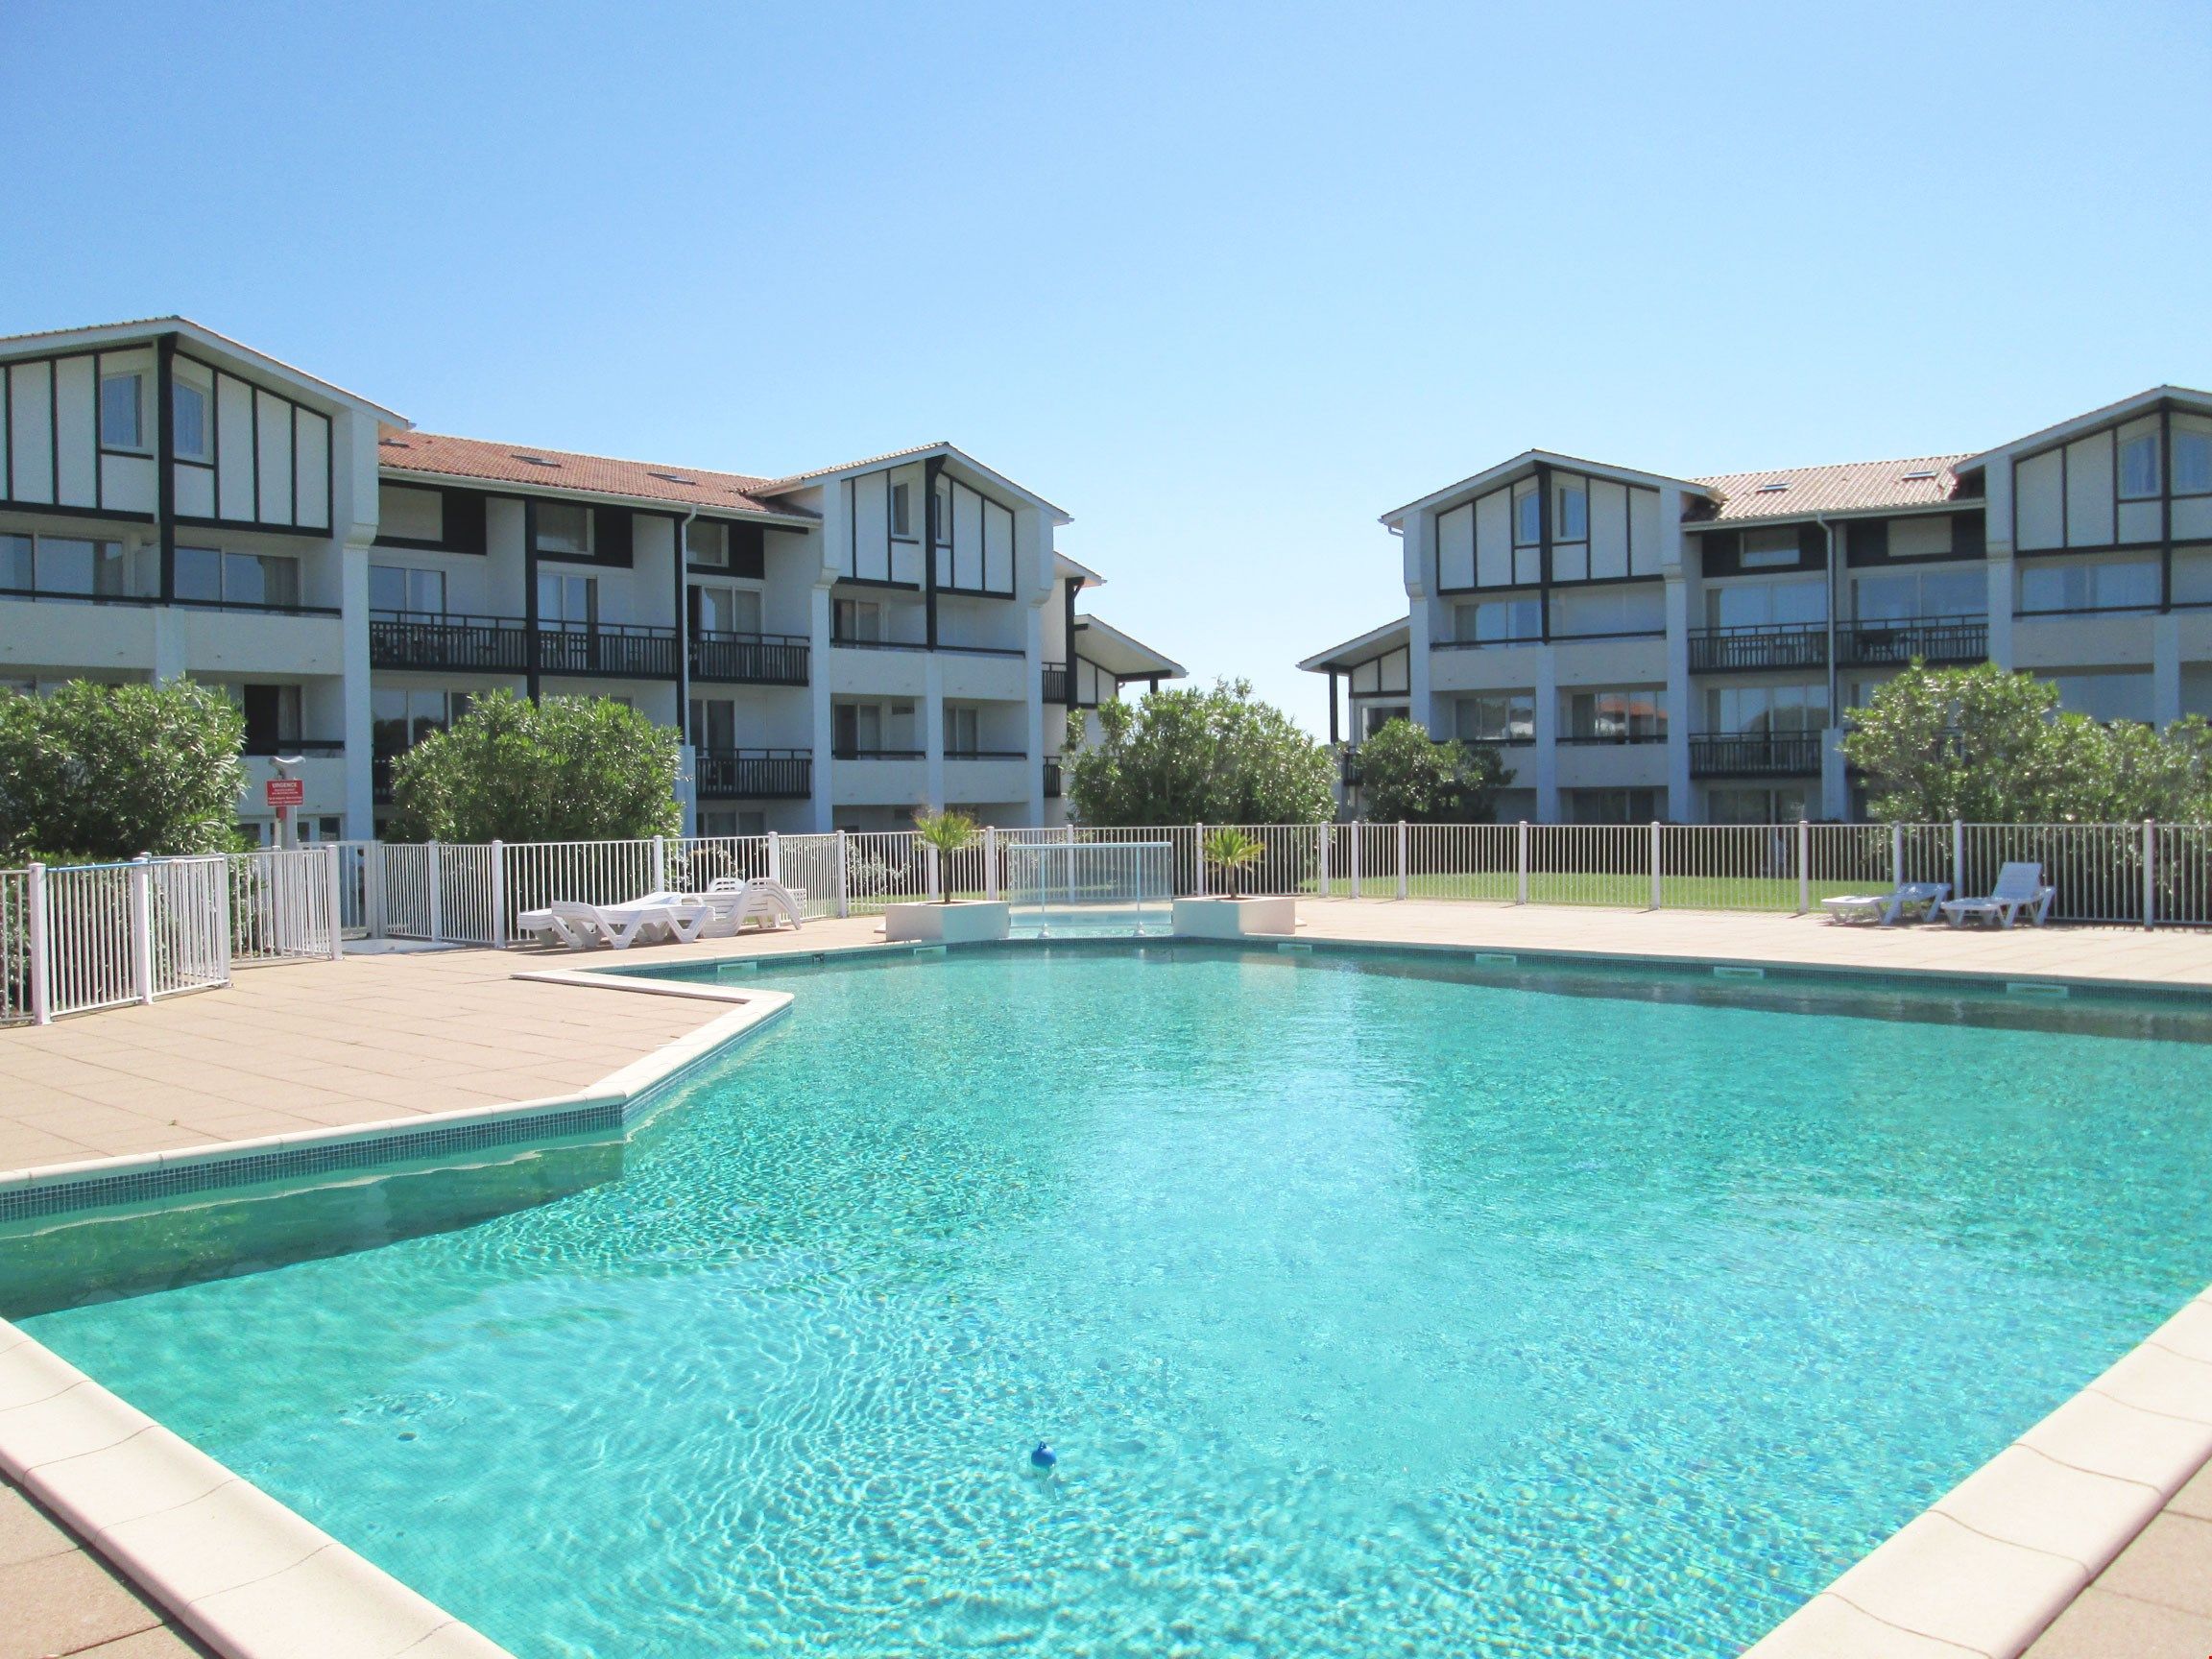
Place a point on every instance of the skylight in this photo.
(671, 477)
(1920, 476)
(535, 460)
(1774, 489)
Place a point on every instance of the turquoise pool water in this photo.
(1372, 1304)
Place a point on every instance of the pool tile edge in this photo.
(1998, 1595)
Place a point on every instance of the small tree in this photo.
(1233, 853)
(566, 769)
(113, 771)
(1404, 773)
(948, 834)
(1197, 756)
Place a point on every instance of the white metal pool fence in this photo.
(77, 937)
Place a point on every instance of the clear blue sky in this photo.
(1226, 282)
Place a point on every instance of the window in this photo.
(2139, 467)
(2192, 462)
(272, 718)
(1766, 604)
(1766, 711)
(731, 823)
(188, 421)
(1573, 513)
(902, 511)
(1910, 596)
(245, 578)
(2109, 696)
(706, 543)
(865, 729)
(2192, 575)
(1497, 621)
(398, 587)
(963, 730)
(563, 527)
(1629, 715)
(70, 566)
(123, 411)
(859, 622)
(17, 573)
(721, 610)
(1609, 612)
(400, 719)
(1374, 716)
(1611, 806)
(1735, 805)
(713, 723)
(941, 528)
(409, 515)
(1495, 717)
(1528, 517)
(570, 603)
(2113, 585)
(1770, 549)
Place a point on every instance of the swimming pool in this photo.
(1373, 1302)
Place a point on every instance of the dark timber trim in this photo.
(1544, 549)
(1068, 590)
(679, 557)
(530, 669)
(930, 470)
(165, 458)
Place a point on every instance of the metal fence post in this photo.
(40, 948)
(2150, 872)
(373, 888)
(659, 864)
(1521, 862)
(775, 856)
(1328, 835)
(931, 876)
(498, 895)
(844, 893)
(141, 930)
(1198, 857)
(990, 860)
(1658, 896)
(1359, 837)
(333, 886)
(1957, 859)
(1804, 867)
(1402, 859)
(430, 862)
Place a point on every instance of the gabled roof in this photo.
(1122, 657)
(1854, 486)
(1506, 471)
(146, 328)
(1069, 570)
(1365, 649)
(902, 457)
(2142, 402)
(434, 456)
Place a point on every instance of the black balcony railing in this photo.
(1930, 639)
(750, 658)
(1055, 688)
(1766, 646)
(1052, 783)
(266, 748)
(1605, 739)
(1756, 755)
(842, 754)
(438, 639)
(1348, 766)
(754, 773)
(607, 650)
(380, 780)
(83, 596)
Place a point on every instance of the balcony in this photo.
(1929, 639)
(750, 658)
(1052, 784)
(754, 773)
(1763, 647)
(1612, 740)
(1756, 755)
(442, 641)
(268, 748)
(607, 650)
(1055, 689)
(843, 754)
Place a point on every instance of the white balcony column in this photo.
(1681, 594)
(1420, 541)
(2000, 605)
(2165, 669)
(1037, 720)
(687, 787)
(1547, 736)
(1835, 776)
(821, 724)
(355, 726)
(933, 730)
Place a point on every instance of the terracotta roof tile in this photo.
(1854, 487)
(474, 458)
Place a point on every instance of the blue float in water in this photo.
(1043, 1458)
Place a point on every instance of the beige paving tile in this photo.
(26, 1534)
(64, 1604)
(166, 1641)
(2102, 1625)
(2171, 1564)
(2196, 1498)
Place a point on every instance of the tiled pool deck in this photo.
(314, 1046)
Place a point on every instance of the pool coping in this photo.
(1982, 1571)
(242, 1571)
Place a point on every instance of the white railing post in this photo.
(498, 895)
(1804, 867)
(775, 856)
(1358, 835)
(373, 914)
(930, 874)
(1957, 859)
(141, 930)
(2150, 872)
(1198, 846)
(990, 860)
(1401, 887)
(436, 896)
(334, 890)
(1328, 834)
(1521, 862)
(660, 863)
(38, 946)
(1897, 855)
(844, 893)
(1657, 896)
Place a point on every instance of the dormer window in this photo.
(903, 509)
(2139, 467)
(1573, 513)
(1527, 517)
(188, 421)
(123, 411)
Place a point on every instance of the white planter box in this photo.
(1235, 918)
(968, 923)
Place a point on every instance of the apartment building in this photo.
(1638, 646)
(836, 648)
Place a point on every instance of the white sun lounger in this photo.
(618, 927)
(1916, 899)
(2020, 891)
(738, 901)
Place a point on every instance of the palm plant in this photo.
(946, 833)
(1232, 852)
